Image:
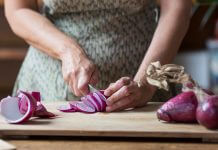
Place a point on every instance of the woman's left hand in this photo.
(126, 93)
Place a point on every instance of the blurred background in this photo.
(198, 52)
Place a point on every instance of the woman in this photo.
(79, 42)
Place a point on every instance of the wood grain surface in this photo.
(6, 146)
(136, 123)
(110, 145)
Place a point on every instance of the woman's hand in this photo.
(78, 71)
(126, 93)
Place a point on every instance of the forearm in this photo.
(167, 38)
(41, 33)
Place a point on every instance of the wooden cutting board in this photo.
(6, 146)
(135, 123)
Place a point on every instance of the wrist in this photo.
(147, 92)
(142, 82)
(147, 87)
(72, 50)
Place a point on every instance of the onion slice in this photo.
(22, 107)
(91, 103)
(11, 112)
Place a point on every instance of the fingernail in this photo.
(108, 109)
(107, 93)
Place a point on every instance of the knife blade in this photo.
(92, 88)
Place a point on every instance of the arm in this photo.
(171, 29)
(38, 31)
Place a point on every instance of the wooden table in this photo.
(136, 129)
(6, 146)
(111, 145)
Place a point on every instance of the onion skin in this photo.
(207, 112)
(42, 112)
(32, 106)
(181, 108)
(36, 95)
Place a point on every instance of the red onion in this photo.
(91, 103)
(22, 107)
(17, 109)
(181, 108)
(191, 105)
(207, 112)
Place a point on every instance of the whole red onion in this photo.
(207, 111)
(181, 108)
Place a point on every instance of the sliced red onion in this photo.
(81, 107)
(24, 106)
(77, 106)
(103, 99)
(67, 108)
(95, 102)
(36, 95)
(42, 112)
(87, 102)
(99, 98)
(91, 103)
(11, 112)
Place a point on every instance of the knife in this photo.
(92, 88)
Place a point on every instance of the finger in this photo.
(66, 75)
(111, 84)
(83, 85)
(73, 86)
(94, 77)
(116, 86)
(122, 103)
(130, 105)
(120, 94)
(83, 81)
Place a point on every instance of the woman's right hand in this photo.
(78, 71)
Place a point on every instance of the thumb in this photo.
(83, 82)
(94, 78)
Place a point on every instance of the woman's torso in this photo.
(115, 34)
